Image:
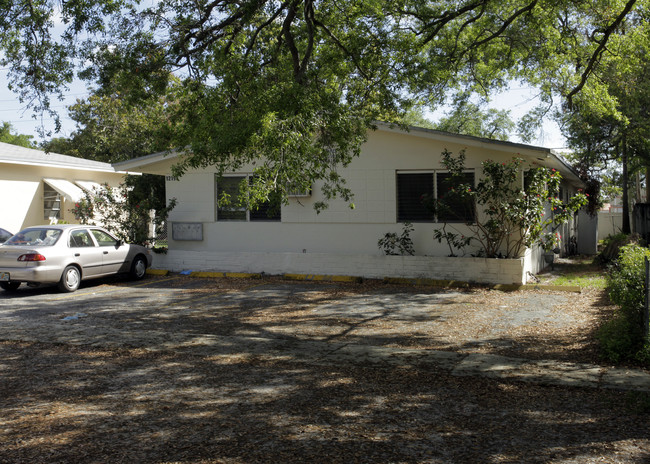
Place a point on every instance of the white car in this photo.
(4, 235)
(67, 254)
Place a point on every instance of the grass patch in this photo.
(582, 281)
(579, 272)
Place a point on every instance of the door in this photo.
(85, 252)
(114, 253)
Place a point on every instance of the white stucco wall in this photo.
(21, 190)
(338, 229)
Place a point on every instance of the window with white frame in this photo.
(51, 203)
(418, 192)
(229, 186)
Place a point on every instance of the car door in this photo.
(85, 252)
(114, 252)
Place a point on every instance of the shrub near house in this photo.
(506, 219)
(123, 212)
(621, 338)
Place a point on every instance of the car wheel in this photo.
(9, 286)
(138, 268)
(70, 279)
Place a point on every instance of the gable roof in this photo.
(546, 156)
(14, 154)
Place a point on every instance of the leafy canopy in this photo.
(301, 81)
(608, 125)
(7, 136)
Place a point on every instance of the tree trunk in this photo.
(647, 186)
(626, 229)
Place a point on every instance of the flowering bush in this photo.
(508, 219)
(119, 210)
(551, 242)
(454, 241)
(83, 211)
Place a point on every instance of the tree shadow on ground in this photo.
(165, 372)
(82, 404)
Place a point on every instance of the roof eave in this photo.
(469, 140)
(146, 160)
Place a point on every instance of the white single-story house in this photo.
(41, 188)
(340, 240)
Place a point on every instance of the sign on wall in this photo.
(187, 231)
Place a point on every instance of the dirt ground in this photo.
(118, 373)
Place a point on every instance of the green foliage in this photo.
(300, 83)
(468, 118)
(627, 281)
(616, 340)
(455, 241)
(584, 273)
(415, 117)
(622, 337)
(615, 238)
(582, 281)
(608, 124)
(393, 244)
(40, 61)
(508, 218)
(123, 211)
(550, 241)
(15, 139)
(111, 129)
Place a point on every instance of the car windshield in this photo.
(35, 237)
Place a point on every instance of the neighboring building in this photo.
(388, 179)
(41, 188)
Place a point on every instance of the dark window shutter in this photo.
(267, 211)
(232, 211)
(413, 192)
(455, 206)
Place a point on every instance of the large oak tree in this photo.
(301, 81)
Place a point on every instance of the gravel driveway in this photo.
(157, 372)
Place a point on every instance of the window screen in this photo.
(413, 191)
(232, 211)
(267, 211)
(51, 203)
(454, 206)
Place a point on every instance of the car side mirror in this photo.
(119, 243)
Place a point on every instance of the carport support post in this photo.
(646, 309)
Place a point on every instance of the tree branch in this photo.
(507, 23)
(599, 50)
